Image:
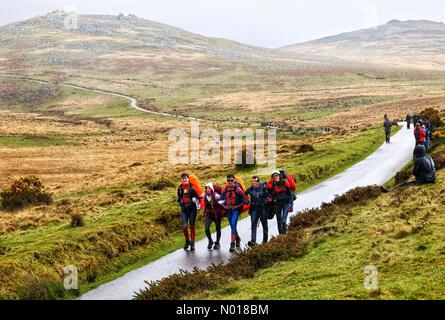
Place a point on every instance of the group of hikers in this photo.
(424, 169)
(263, 200)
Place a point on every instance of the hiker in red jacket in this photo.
(232, 200)
(281, 187)
(420, 135)
(187, 196)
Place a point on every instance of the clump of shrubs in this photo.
(328, 211)
(77, 220)
(305, 148)
(242, 265)
(42, 287)
(24, 192)
(439, 161)
(402, 176)
(159, 184)
(245, 159)
(434, 117)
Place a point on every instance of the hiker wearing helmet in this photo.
(424, 169)
(257, 194)
(187, 196)
(282, 196)
(213, 214)
(387, 125)
(232, 200)
(419, 134)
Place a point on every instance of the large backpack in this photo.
(197, 186)
(246, 206)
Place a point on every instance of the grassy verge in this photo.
(22, 141)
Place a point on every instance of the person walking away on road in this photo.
(258, 195)
(419, 135)
(232, 200)
(280, 188)
(408, 121)
(213, 213)
(387, 125)
(188, 199)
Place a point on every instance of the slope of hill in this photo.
(412, 43)
(48, 40)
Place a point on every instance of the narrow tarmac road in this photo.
(376, 169)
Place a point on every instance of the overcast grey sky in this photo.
(267, 23)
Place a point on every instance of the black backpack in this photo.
(417, 133)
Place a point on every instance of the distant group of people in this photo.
(422, 130)
(424, 169)
(263, 201)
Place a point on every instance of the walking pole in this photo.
(385, 190)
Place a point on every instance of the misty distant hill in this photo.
(412, 43)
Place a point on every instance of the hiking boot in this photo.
(187, 244)
(238, 242)
(210, 246)
(232, 247)
(251, 243)
(192, 246)
(217, 246)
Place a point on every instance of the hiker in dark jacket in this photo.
(424, 169)
(428, 127)
(387, 125)
(187, 195)
(258, 195)
(408, 121)
(213, 212)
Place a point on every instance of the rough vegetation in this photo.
(24, 192)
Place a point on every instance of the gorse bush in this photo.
(305, 148)
(77, 220)
(243, 157)
(24, 192)
(159, 184)
(43, 287)
(433, 115)
(328, 211)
